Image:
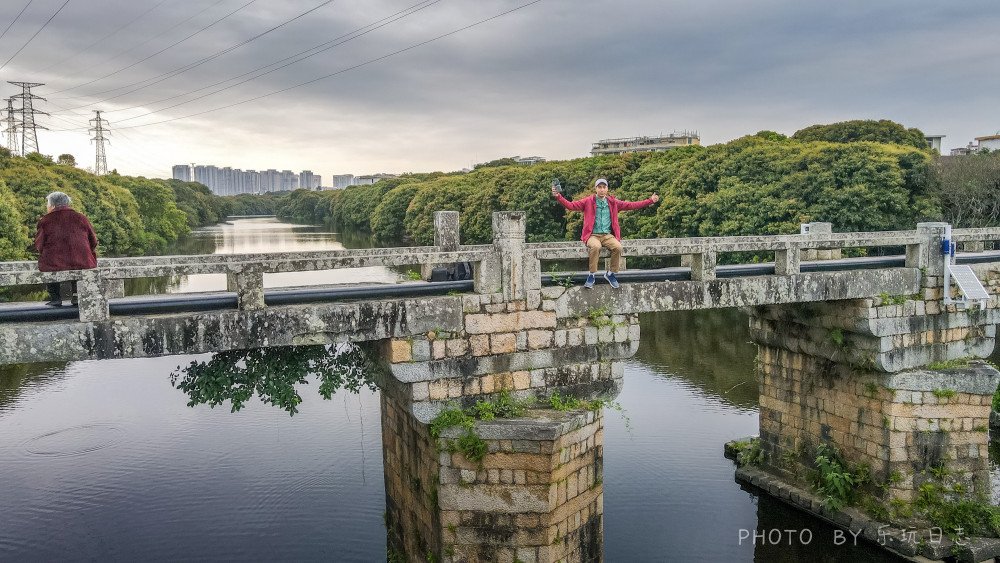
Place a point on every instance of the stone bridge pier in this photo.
(516, 336)
(537, 494)
(892, 381)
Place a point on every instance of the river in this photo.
(104, 460)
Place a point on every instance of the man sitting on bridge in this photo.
(600, 225)
(65, 241)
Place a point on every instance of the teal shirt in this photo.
(602, 222)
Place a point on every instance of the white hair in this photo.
(57, 199)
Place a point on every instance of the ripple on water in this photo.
(75, 440)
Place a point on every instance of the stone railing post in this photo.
(786, 261)
(508, 240)
(248, 283)
(818, 228)
(973, 246)
(446, 236)
(113, 288)
(91, 299)
(703, 265)
(926, 254)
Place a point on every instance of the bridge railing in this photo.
(509, 266)
(245, 272)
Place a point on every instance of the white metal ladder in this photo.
(972, 289)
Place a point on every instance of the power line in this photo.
(101, 168)
(359, 65)
(172, 45)
(29, 135)
(88, 47)
(134, 47)
(17, 17)
(189, 66)
(35, 35)
(322, 47)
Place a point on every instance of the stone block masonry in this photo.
(522, 346)
(853, 374)
(536, 496)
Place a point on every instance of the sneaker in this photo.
(590, 282)
(610, 276)
(74, 302)
(54, 303)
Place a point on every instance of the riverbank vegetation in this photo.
(860, 176)
(131, 215)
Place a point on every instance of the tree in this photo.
(882, 131)
(14, 239)
(506, 161)
(66, 160)
(970, 189)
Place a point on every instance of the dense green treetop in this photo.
(131, 215)
(14, 239)
(881, 131)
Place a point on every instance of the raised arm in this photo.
(571, 205)
(626, 205)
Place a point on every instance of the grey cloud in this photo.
(547, 80)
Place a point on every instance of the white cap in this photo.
(600, 181)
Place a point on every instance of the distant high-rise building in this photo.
(229, 181)
(289, 181)
(270, 181)
(306, 179)
(182, 172)
(341, 181)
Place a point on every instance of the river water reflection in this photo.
(104, 460)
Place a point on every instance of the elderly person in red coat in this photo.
(65, 241)
(600, 225)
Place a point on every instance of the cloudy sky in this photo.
(365, 86)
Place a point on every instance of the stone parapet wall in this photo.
(869, 335)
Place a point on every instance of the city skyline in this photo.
(403, 87)
(225, 180)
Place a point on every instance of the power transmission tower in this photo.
(11, 127)
(29, 135)
(101, 168)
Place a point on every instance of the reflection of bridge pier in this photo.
(536, 496)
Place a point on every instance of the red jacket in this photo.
(589, 207)
(65, 241)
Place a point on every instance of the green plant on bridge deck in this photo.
(949, 364)
(945, 393)
(413, 275)
(469, 443)
(887, 299)
(565, 281)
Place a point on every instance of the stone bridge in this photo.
(846, 351)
